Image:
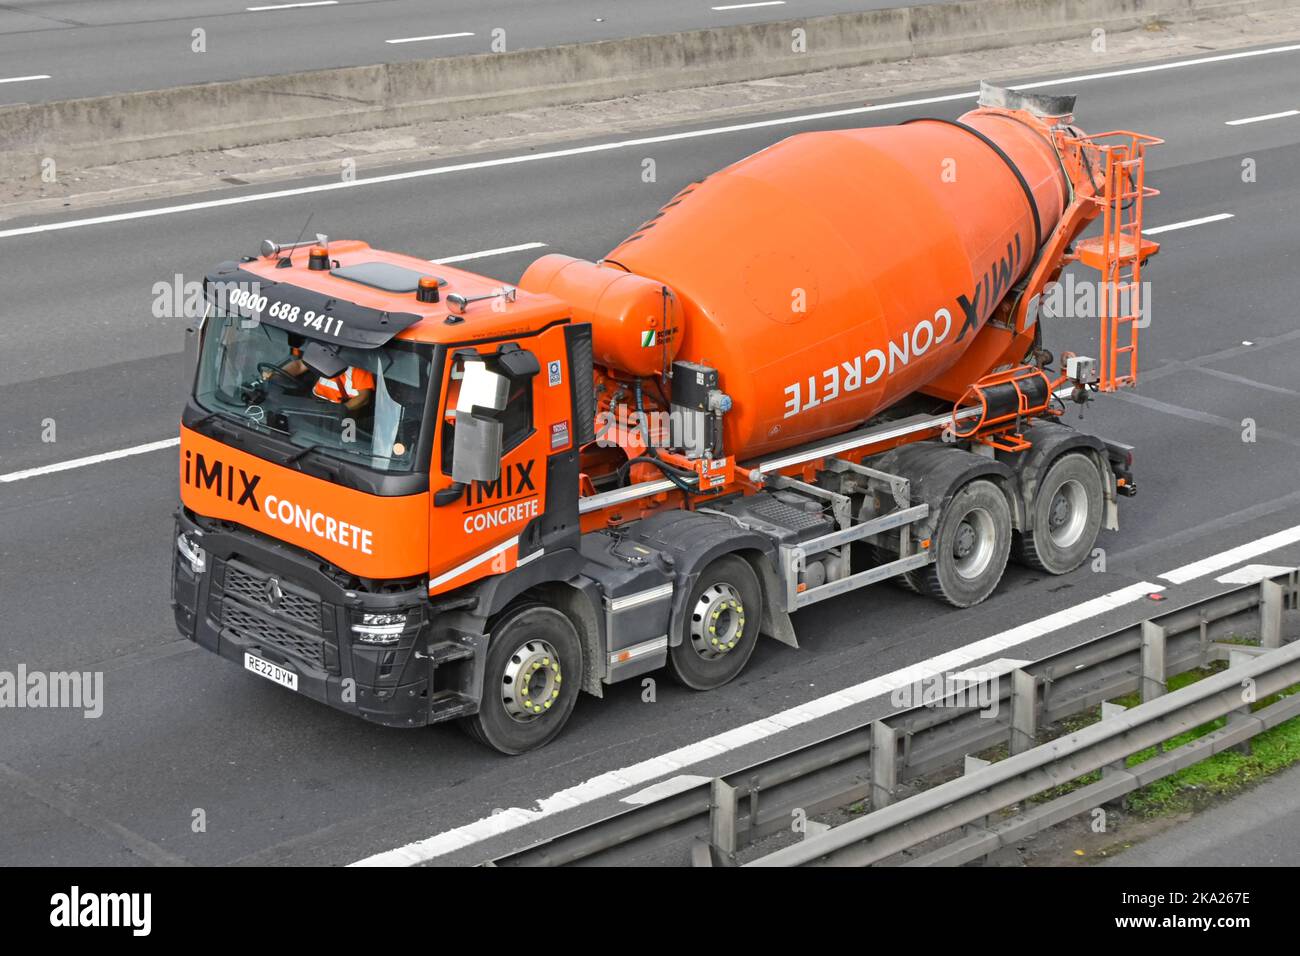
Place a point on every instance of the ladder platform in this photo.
(1092, 251)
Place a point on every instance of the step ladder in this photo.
(1119, 159)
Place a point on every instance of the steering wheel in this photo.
(275, 370)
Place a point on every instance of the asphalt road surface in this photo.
(1258, 828)
(61, 49)
(184, 736)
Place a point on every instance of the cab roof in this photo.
(438, 322)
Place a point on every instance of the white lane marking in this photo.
(24, 79)
(746, 6)
(665, 788)
(1226, 559)
(489, 252)
(289, 6)
(986, 672)
(1261, 119)
(1253, 573)
(599, 147)
(90, 460)
(1187, 224)
(674, 762)
(436, 36)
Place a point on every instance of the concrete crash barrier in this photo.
(130, 126)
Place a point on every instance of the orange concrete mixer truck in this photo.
(416, 494)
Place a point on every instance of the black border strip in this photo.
(1024, 185)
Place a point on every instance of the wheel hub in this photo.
(717, 621)
(972, 547)
(1067, 514)
(531, 682)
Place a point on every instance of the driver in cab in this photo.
(352, 388)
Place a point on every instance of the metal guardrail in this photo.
(1105, 745)
(711, 821)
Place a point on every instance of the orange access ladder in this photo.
(1120, 251)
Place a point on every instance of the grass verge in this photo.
(1217, 776)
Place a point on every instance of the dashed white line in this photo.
(1226, 559)
(436, 36)
(24, 79)
(1261, 119)
(603, 147)
(1253, 573)
(1187, 224)
(290, 6)
(674, 762)
(90, 460)
(746, 6)
(489, 252)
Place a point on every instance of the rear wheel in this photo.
(720, 628)
(534, 668)
(971, 546)
(1067, 516)
(879, 555)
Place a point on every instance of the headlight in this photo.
(193, 553)
(380, 628)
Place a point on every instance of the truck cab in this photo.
(367, 433)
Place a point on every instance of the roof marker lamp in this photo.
(427, 291)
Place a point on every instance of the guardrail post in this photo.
(1110, 711)
(973, 764)
(1270, 614)
(722, 817)
(1024, 711)
(884, 764)
(1240, 659)
(1153, 661)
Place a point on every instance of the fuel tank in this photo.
(829, 275)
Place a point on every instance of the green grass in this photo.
(1221, 774)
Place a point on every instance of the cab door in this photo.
(488, 474)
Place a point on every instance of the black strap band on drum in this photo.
(1024, 185)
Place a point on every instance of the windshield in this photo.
(362, 405)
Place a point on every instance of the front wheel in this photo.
(531, 680)
(720, 628)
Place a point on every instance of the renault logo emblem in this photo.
(274, 593)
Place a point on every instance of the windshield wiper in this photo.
(300, 454)
(208, 417)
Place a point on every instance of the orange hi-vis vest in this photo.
(350, 384)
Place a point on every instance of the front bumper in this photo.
(260, 597)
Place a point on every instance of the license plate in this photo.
(272, 672)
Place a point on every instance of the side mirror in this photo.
(476, 452)
(479, 432)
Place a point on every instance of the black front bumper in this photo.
(256, 596)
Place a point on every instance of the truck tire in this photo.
(531, 680)
(878, 556)
(1067, 511)
(720, 626)
(971, 546)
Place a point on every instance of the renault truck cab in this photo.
(314, 538)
